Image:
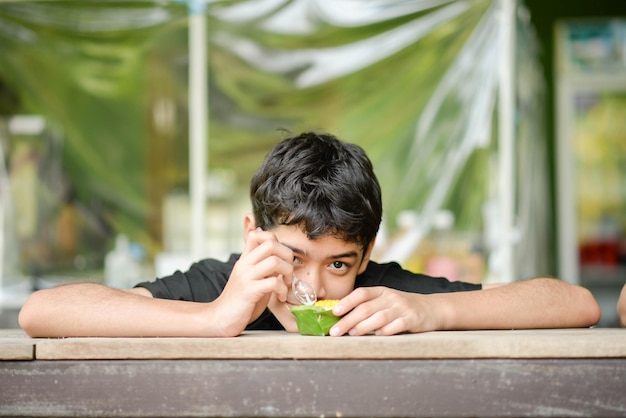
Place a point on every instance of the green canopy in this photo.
(414, 82)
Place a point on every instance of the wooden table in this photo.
(462, 373)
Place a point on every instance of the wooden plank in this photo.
(16, 345)
(437, 387)
(561, 343)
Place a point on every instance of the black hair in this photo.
(320, 183)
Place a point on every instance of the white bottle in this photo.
(121, 270)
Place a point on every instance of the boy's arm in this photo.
(535, 303)
(621, 307)
(90, 309)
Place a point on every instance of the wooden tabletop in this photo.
(552, 343)
(16, 345)
(559, 372)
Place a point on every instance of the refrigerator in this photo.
(590, 81)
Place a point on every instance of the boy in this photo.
(316, 212)
(621, 307)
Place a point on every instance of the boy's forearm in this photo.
(89, 309)
(535, 303)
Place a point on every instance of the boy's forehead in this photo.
(330, 246)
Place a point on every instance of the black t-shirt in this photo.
(205, 280)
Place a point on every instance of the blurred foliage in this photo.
(83, 66)
(111, 77)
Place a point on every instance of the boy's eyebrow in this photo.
(297, 250)
(347, 254)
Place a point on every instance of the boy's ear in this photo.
(249, 224)
(366, 256)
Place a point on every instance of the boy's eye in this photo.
(296, 260)
(338, 264)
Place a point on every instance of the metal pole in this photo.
(506, 138)
(198, 115)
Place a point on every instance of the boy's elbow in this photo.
(25, 322)
(591, 309)
(595, 315)
(621, 307)
(29, 316)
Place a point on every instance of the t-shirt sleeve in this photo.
(393, 276)
(203, 282)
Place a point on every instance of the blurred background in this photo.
(129, 131)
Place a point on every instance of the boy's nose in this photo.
(315, 279)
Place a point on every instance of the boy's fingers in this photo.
(282, 293)
(354, 299)
(268, 285)
(360, 312)
(261, 244)
(348, 322)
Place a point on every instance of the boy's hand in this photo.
(265, 267)
(385, 311)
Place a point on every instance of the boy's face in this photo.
(329, 264)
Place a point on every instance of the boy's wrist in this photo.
(443, 313)
(203, 321)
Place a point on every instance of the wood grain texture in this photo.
(555, 343)
(16, 345)
(348, 388)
